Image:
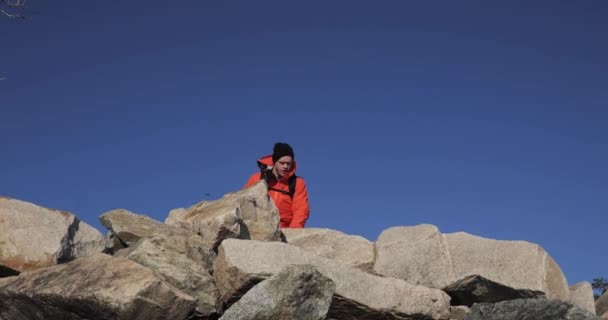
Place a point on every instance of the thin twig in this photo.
(15, 16)
(18, 3)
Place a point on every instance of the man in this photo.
(286, 189)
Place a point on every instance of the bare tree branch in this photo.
(14, 16)
(14, 4)
(13, 8)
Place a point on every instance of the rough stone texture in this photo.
(126, 228)
(517, 264)
(459, 312)
(604, 316)
(359, 295)
(352, 250)
(114, 243)
(601, 304)
(537, 309)
(245, 214)
(98, 287)
(296, 292)
(183, 264)
(176, 215)
(34, 237)
(472, 289)
(422, 255)
(581, 295)
(415, 254)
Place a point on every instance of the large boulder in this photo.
(581, 295)
(296, 292)
(537, 309)
(351, 250)
(418, 255)
(245, 214)
(472, 289)
(601, 304)
(98, 287)
(517, 264)
(33, 237)
(126, 228)
(180, 256)
(181, 263)
(241, 264)
(422, 255)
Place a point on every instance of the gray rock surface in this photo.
(359, 295)
(472, 289)
(127, 228)
(296, 292)
(459, 312)
(182, 263)
(533, 309)
(98, 287)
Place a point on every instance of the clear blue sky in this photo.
(484, 117)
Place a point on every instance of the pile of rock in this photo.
(228, 259)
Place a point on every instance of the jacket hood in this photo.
(267, 161)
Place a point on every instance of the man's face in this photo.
(282, 166)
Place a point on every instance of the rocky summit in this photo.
(228, 259)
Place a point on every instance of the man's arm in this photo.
(300, 206)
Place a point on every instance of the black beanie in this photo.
(280, 150)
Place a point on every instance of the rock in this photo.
(180, 256)
(245, 214)
(416, 254)
(182, 263)
(33, 237)
(127, 228)
(472, 289)
(581, 295)
(422, 255)
(351, 250)
(176, 215)
(517, 264)
(114, 243)
(359, 295)
(604, 316)
(296, 292)
(459, 312)
(98, 287)
(601, 304)
(537, 309)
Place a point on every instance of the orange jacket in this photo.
(294, 212)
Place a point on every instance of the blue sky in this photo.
(489, 118)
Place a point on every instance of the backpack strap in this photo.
(292, 186)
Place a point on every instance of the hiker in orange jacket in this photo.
(279, 171)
